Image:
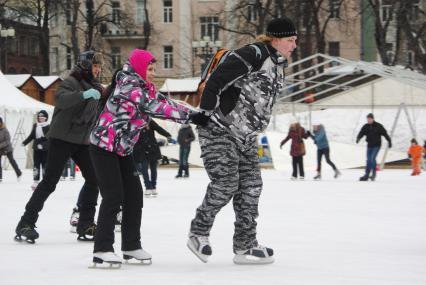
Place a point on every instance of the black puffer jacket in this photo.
(74, 116)
(241, 92)
(374, 133)
(186, 135)
(147, 147)
(40, 144)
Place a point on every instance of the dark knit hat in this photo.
(281, 28)
(1, 120)
(371, 116)
(43, 113)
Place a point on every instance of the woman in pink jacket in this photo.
(132, 102)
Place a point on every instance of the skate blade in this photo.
(140, 262)
(85, 239)
(202, 257)
(252, 260)
(105, 265)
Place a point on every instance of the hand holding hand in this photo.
(91, 93)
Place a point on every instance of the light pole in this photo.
(205, 49)
(5, 33)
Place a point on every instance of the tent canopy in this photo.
(12, 99)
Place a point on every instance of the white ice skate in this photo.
(255, 255)
(111, 260)
(34, 185)
(293, 178)
(200, 246)
(143, 257)
(148, 193)
(74, 220)
(154, 193)
(302, 178)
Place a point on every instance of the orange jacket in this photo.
(416, 151)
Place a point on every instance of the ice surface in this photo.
(327, 232)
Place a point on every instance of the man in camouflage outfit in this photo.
(236, 105)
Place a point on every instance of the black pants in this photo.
(324, 152)
(120, 186)
(58, 154)
(40, 161)
(12, 161)
(298, 164)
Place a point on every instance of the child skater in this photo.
(128, 109)
(236, 105)
(415, 152)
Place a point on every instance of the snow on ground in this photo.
(328, 232)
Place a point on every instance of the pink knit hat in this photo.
(140, 59)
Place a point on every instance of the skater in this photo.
(415, 152)
(147, 153)
(185, 138)
(373, 131)
(235, 106)
(40, 146)
(296, 134)
(71, 166)
(7, 150)
(323, 149)
(128, 109)
(73, 116)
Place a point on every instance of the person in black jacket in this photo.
(73, 117)
(373, 132)
(185, 138)
(40, 145)
(146, 154)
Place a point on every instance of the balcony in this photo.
(114, 33)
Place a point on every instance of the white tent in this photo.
(17, 111)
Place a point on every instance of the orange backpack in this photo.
(217, 59)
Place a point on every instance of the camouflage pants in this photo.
(234, 174)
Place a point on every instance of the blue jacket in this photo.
(320, 138)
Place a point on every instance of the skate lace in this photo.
(203, 240)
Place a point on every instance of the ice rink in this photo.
(331, 232)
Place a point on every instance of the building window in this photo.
(68, 16)
(23, 46)
(386, 10)
(55, 61)
(210, 27)
(410, 58)
(116, 12)
(252, 11)
(69, 58)
(168, 57)
(168, 11)
(334, 48)
(415, 10)
(389, 52)
(335, 8)
(115, 57)
(140, 12)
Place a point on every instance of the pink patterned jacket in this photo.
(128, 110)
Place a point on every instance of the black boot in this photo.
(363, 178)
(86, 232)
(186, 169)
(179, 175)
(27, 231)
(373, 176)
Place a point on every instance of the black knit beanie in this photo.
(281, 28)
(43, 113)
(371, 116)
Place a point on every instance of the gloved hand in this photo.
(390, 144)
(199, 119)
(91, 93)
(309, 133)
(281, 145)
(357, 140)
(169, 139)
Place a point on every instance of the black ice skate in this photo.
(363, 178)
(26, 232)
(337, 173)
(256, 255)
(318, 176)
(200, 246)
(86, 233)
(143, 257)
(106, 260)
